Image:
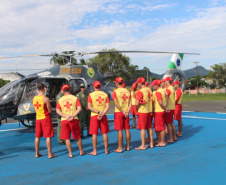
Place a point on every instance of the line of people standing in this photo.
(143, 103)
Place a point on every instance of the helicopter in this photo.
(16, 97)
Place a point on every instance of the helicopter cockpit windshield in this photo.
(10, 95)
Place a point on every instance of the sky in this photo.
(44, 27)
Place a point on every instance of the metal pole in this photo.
(197, 77)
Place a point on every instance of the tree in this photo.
(116, 63)
(62, 60)
(201, 82)
(82, 61)
(218, 74)
(3, 82)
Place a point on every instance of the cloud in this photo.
(43, 27)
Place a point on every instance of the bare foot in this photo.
(169, 141)
(92, 153)
(175, 138)
(179, 135)
(82, 153)
(107, 152)
(160, 145)
(140, 148)
(70, 156)
(52, 156)
(150, 146)
(133, 126)
(126, 148)
(39, 155)
(118, 150)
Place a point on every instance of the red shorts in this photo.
(149, 124)
(159, 121)
(120, 121)
(95, 124)
(133, 110)
(68, 127)
(44, 127)
(142, 120)
(169, 117)
(178, 112)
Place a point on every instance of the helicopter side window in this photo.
(75, 86)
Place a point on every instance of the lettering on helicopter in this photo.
(67, 70)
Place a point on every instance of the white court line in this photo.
(188, 111)
(220, 113)
(12, 129)
(195, 117)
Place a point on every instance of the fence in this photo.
(205, 91)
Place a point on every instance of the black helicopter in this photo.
(16, 97)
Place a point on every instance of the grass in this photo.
(205, 97)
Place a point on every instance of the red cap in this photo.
(96, 84)
(123, 85)
(141, 80)
(118, 79)
(176, 82)
(146, 83)
(155, 82)
(168, 79)
(163, 80)
(134, 85)
(65, 87)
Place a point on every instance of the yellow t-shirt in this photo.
(133, 97)
(123, 96)
(40, 107)
(171, 98)
(178, 94)
(143, 94)
(159, 95)
(98, 100)
(68, 105)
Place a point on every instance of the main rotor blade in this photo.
(26, 56)
(164, 52)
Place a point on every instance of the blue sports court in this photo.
(199, 157)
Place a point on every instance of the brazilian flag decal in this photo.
(91, 72)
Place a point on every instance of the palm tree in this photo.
(62, 60)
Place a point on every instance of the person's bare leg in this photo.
(105, 138)
(147, 140)
(120, 140)
(142, 135)
(174, 132)
(150, 134)
(49, 147)
(94, 140)
(166, 129)
(128, 137)
(179, 132)
(162, 138)
(68, 144)
(170, 140)
(158, 137)
(134, 122)
(79, 143)
(37, 141)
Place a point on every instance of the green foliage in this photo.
(3, 82)
(116, 63)
(82, 61)
(63, 60)
(218, 74)
(201, 83)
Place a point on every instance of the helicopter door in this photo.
(75, 85)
